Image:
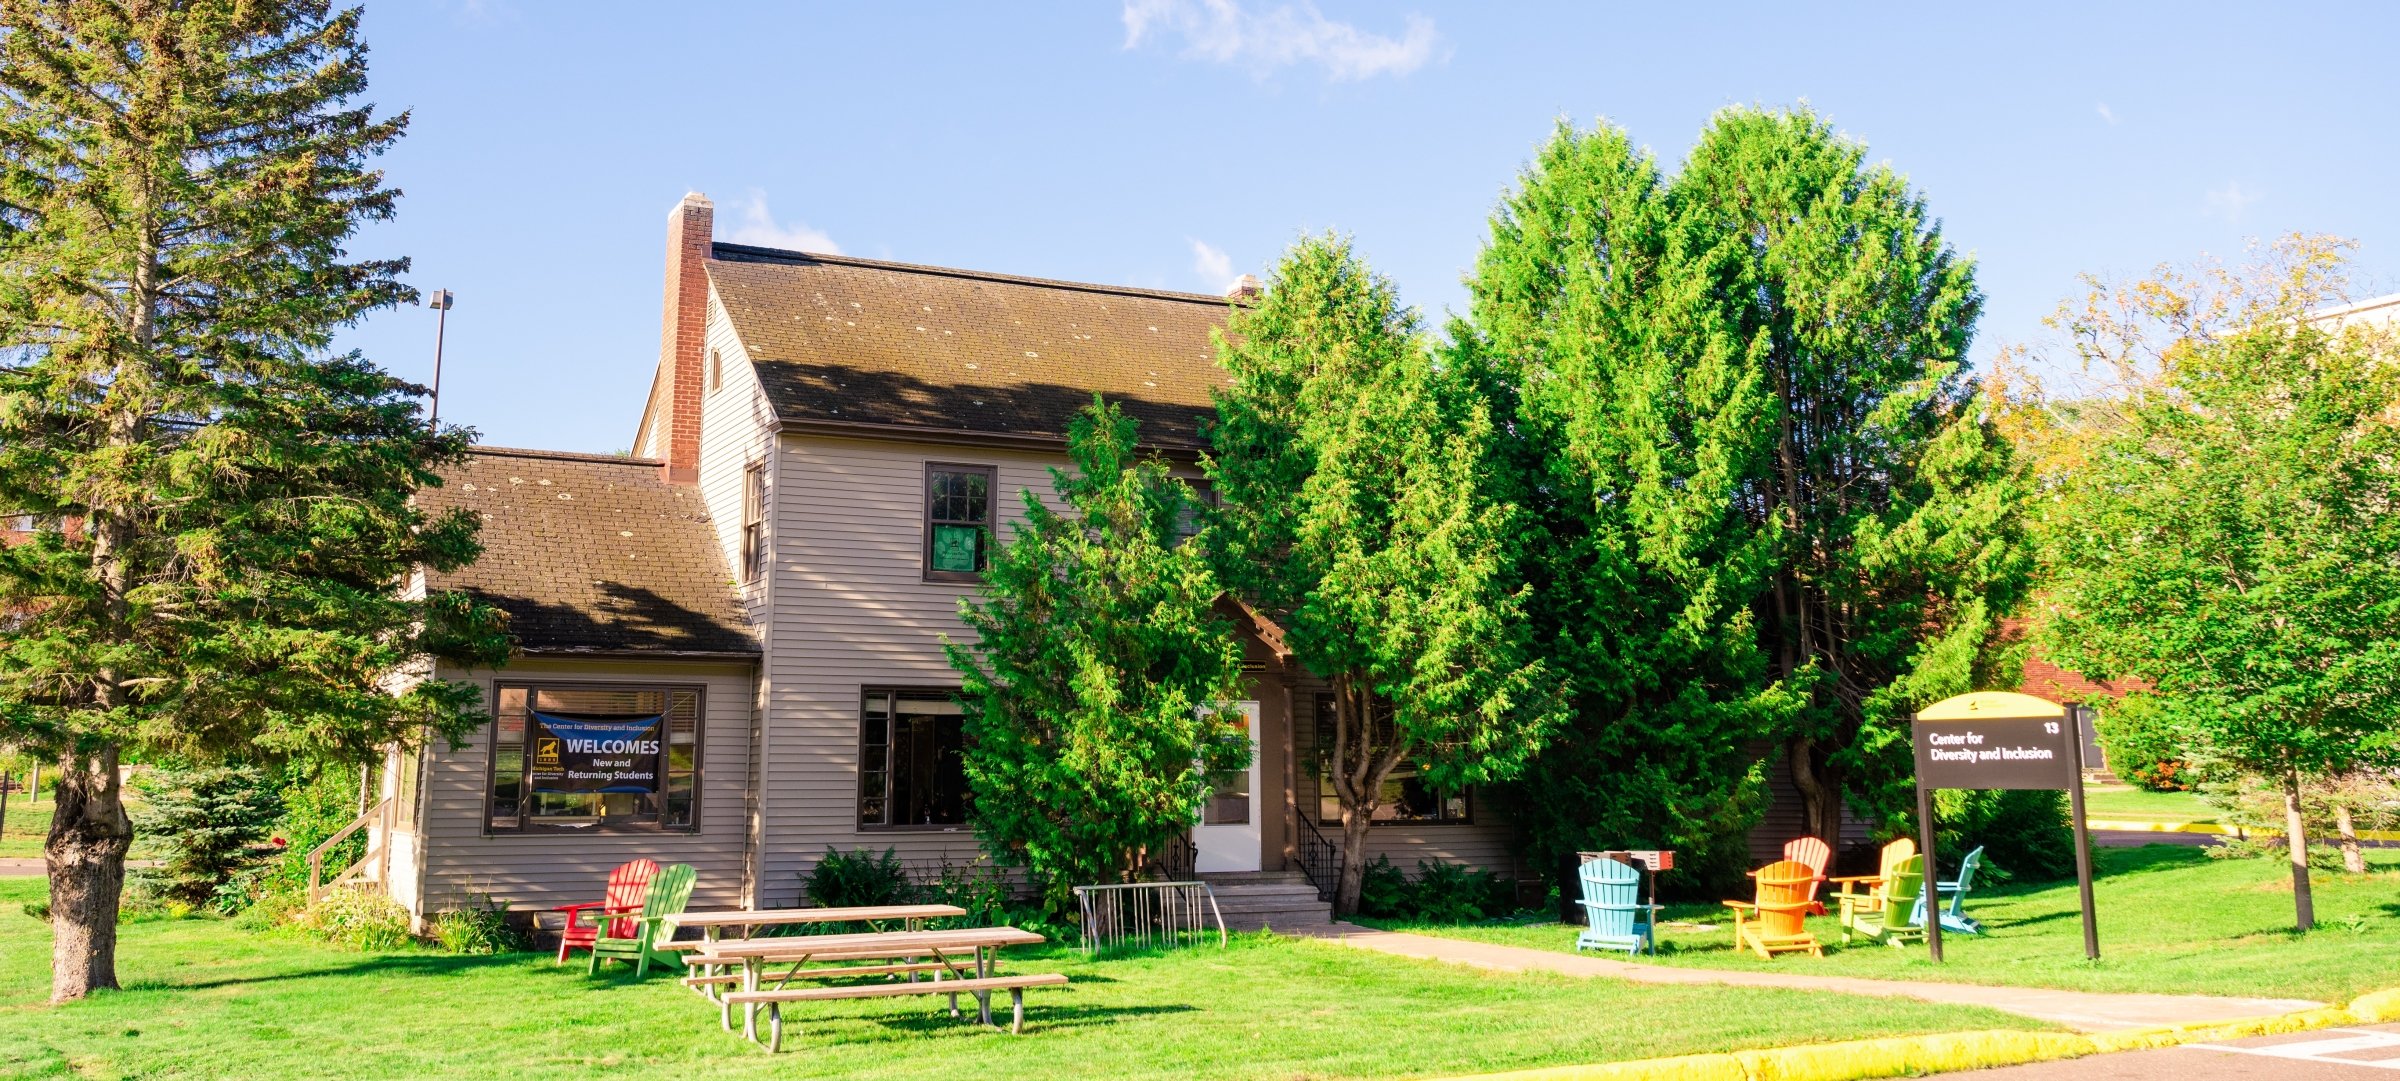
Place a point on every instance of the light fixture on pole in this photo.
(440, 302)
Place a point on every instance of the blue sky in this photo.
(1176, 143)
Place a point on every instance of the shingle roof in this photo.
(588, 553)
(838, 340)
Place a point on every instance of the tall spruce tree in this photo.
(1627, 455)
(235, 532)
(1095, 690)
(1889, 502)
(1360, 510)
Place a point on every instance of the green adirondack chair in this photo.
(1612, 906)
(1953, 919)
(1892, 914)
(670, 890)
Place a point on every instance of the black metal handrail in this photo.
(1173, 861)
(1319, 859)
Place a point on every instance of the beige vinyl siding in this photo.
(1483, 842)
(538, 870)
(851, 609)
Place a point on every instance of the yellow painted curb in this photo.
(1897, 1056)
(2146, 826)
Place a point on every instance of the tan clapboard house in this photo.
(730, 643)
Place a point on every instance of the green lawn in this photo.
(2171, 919)
(22, 833)
(2124, 801)
(207, 999)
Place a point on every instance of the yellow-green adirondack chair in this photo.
(670, 890)
(1893, 855)
(1890, 914)
(1776, 921)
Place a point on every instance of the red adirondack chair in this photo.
(627, 885)
(1814, 852)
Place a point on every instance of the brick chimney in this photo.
(682, 332)
(1245, 288)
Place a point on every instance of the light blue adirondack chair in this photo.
(1612, 906)
(1953, 918)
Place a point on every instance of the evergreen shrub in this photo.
(2145, 744)
(859, 877)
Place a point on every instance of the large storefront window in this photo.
(911, 765)
(1406, 796)
(611, 756)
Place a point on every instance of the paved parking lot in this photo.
(2335, 1054)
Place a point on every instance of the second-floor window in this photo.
(754, 522)
(958, 521)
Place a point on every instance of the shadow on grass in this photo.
(371, 966)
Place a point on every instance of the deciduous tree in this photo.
(1096, 689)
(2230, 535)
(1361, 513)
(228, 576)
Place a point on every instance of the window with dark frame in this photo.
(754, 521)
(911, 759)
(606, 757)
(958, 521)
(1194, 515)
(1407, 799)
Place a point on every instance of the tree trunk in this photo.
(2295, 840)
(2353, 859)
(1356, 821)
(89, 833)
(1820, 791)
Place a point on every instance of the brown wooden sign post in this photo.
(1998, 739)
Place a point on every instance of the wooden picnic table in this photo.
(750, 920)
(947, 949)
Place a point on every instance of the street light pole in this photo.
(440, 302)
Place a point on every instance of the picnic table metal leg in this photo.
(983, 999)
(1016, 1002)
(774, 1027)
(750, 1009)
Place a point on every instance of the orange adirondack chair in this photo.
(1894, 854)
(627, 886)
(1776, 921)
(1814, 852)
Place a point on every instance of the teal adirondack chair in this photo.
(1894, 914)
(1953, 919)
(670, 890)
(1612, 905)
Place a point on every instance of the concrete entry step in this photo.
(1283, 900)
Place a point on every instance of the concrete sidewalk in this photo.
(2084, 1011)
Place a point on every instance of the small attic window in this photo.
(716, 369)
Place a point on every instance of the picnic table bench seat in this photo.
(979, 987)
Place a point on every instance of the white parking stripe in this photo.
(2318, 1050)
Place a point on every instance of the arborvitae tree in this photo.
(1095, 691)
(1889, 504)
(228, 578)
(2229, 534)
(1626, 452)
(1361, 511)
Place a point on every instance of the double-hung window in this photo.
(754, 522)
(911, 764)
(958, 521)
(594, 757)
(1406, 797)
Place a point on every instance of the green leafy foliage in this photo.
(2025, 834)
(859, 878)
(481, 927)
(1441, 892)
(210, 825)
(2229, 537)
(2145, 743)
(1097, 687)
(178, 189)
(360, 919)
(1365, 512)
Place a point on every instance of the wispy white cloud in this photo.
(1226, 32)
(1213, 265)
(758, 226)
(2232, 201)
(2106, 113)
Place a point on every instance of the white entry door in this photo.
(1227, 838)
